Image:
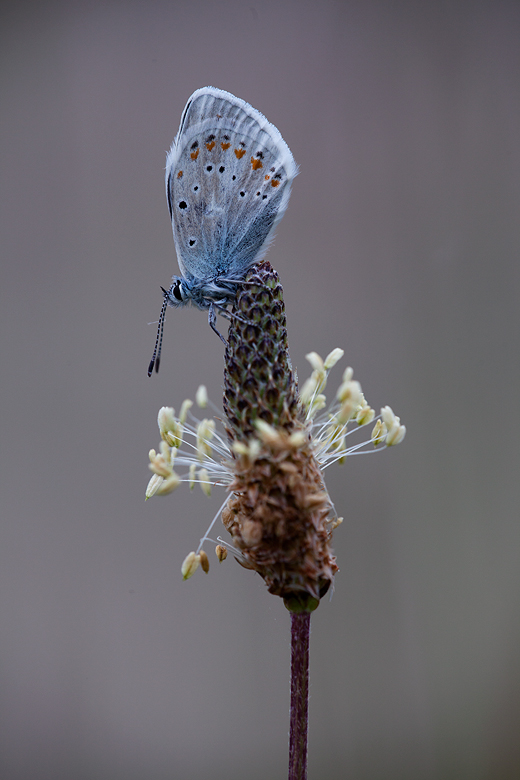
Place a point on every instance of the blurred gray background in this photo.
(401, 245)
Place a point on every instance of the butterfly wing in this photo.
(228, 180)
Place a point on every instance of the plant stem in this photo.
(299, 720)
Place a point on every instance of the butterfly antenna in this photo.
(156, 357)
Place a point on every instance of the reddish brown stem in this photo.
(299, 718)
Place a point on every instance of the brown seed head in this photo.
(278, 513)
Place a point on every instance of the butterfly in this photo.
(228, 180)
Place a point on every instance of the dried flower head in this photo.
(277, 443)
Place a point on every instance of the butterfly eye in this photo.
(177, 291)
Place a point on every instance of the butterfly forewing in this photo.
(228, 179)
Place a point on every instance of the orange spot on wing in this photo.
(194, 154)
(210, 146)
(275, 183)
(267, 177)
(225, 146)
(240, 153)
(256, 164)
(179, 175)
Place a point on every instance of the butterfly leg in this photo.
(212, 320)
(230, 315)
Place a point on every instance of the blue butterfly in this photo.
(228, 180)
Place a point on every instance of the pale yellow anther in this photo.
(395, 435)
(308, 391)
(315, 360)
(201, 396)
(191, 475)
(168, 485)
(319, 403)
(343, 458)
(186, 406)
(348, 374)
(190, 565)
(342, 446)
(161, 464)
(332, 358)
(250, 450)
(167, 452)
(165, 418)
(170, 428)
(318, 379)
(388, 416)
(239, 448)
(346, 412)
(160, 467)
(205, 484)
(335, 435)
(297, 439)
(378, 433)
(343, 390)
(288, 467)
(176, 436)
(365, 415)
(395, 431)
(205, 433)
(267, 433)
(334, 524)
(350, 391)
(153, 485)
(254, 449)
